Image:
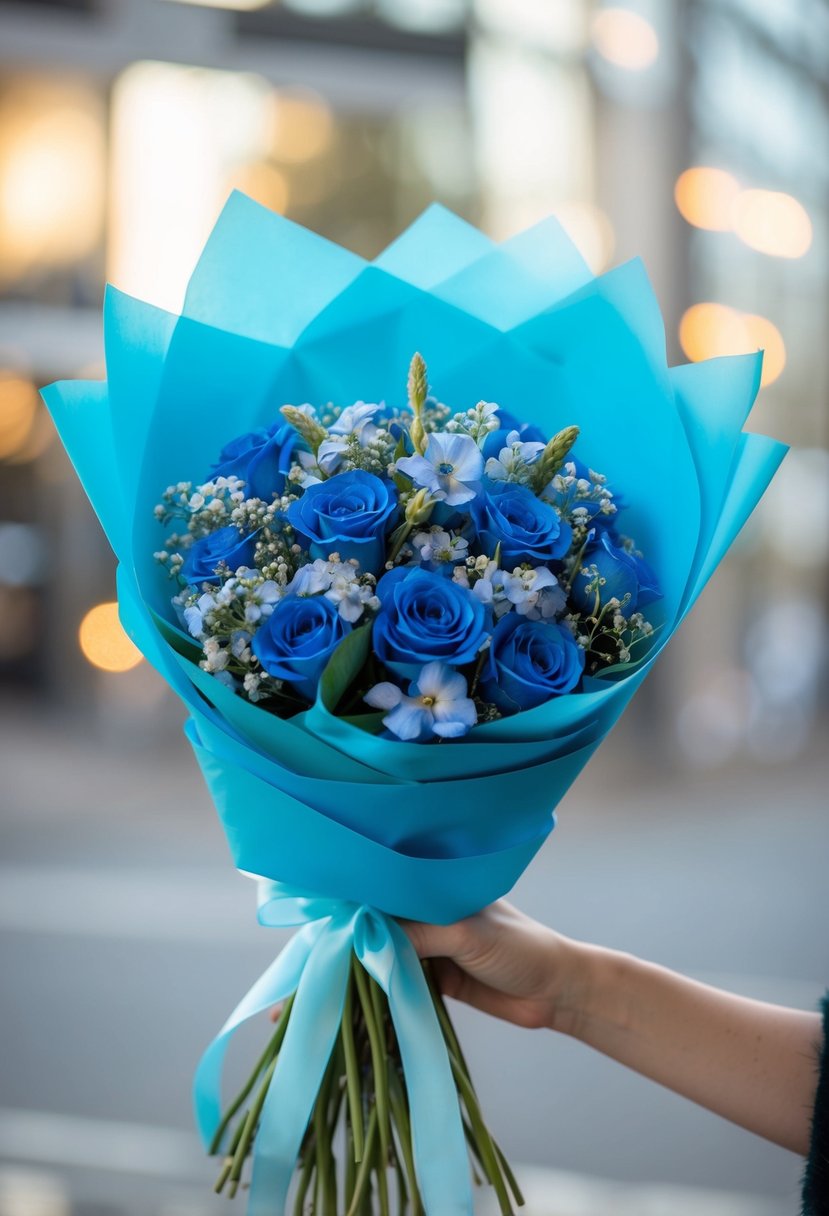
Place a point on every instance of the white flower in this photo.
(450, 468)
(512, 459)
(261, 600)
(437, 545)
(523, 589)
(346, 591)
(251, 684)
(490, 589)
(195, 614)
(309, 472)
(311, 579)
(437, 704)
(239, 640)
(215, 659)
(355, 420)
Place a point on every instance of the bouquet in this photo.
(401, 627)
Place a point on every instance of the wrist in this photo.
(590, 991)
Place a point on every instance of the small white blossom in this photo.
(437, 703)
(524, 586)
(450, 468)
(513, 459)
(438, 545)
(355, 420)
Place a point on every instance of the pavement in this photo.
(126, 936)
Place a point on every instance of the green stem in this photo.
(378, 1057)
(350, 1163)
(249, 1128)
(352, 1071)
(404, 1137)
(381, 1018)
(364, 1172)
(305, 1177)
(326, 1194)
(512, 1181)
(264, 1060)
(486, 1146)
(228, 1163)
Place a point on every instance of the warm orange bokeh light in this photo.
(625, 39)
(709, 330)
(772, 223)
(590, 230)
(18, 409)
(52, 175)
(301, 125)
(265, 183)
(705, 196)
(104, 642)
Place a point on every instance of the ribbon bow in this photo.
(315, 965)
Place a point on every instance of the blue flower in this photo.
(349, 514)
(620, 573)
(262, 459)
(226, 547)
(528, 529)
(529, 662)
(425, 617)
(450, 468)
(298, 639)
(437, 704)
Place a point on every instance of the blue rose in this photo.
(426, 618)
(528, 529)
(226, 546)
(529, 662)
(624, 574)
(262, 459)
(297, 640)
(349, 514)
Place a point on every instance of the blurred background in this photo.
(691, 132)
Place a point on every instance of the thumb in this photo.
(434, 941)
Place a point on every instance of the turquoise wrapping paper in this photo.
(275, 314)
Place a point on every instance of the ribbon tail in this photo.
(309, 1040)
(438, 1141)
(278, 982)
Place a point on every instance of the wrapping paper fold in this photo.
(275, 314)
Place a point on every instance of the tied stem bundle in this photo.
(362, 1109)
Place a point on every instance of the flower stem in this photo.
(264, 1060)
(352, 1071)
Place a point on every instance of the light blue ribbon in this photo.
(315, 965)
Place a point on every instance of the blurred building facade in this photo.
(686, 132)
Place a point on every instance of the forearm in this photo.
(750, 1062)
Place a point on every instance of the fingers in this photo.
(460, 986)
(441, 941)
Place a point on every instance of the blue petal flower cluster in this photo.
(484, 556)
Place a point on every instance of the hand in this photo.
(508, 965)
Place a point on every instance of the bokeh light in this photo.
(772, 223)
(590, 230)
(625, 39)
(708, 330)
(301, 125)
(52, 179)
(103, 640)
(18, 410)
(705, 197)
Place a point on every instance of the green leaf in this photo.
(343, 667)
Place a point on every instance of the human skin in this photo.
(753, 1063)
